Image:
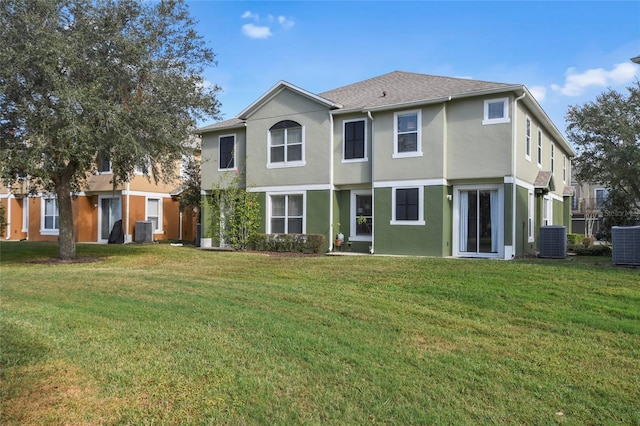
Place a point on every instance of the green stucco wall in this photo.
(431, 239)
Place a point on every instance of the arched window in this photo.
(286, 144)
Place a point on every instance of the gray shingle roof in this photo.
(400, 87)
(226, 124)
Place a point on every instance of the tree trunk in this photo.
(66, 236)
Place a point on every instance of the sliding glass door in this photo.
(479, 222)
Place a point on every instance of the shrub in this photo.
(595, 250)
(300, 243)
(574, 239)
(587, 241)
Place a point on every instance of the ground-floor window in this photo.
(531, 220)
(407, 206)
(50, 215)
(286, 214)
(154, 213)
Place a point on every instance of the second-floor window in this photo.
(354, 140)
(539, 148)
(527, 152)
(226, 152)
(601, 197)
(407, 134)
(104, 164)
(553, 158)
(286, 144)
(496, 111)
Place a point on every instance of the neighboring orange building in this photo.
(95, 211)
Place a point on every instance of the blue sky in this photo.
(566, 53)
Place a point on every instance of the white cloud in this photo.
(285, 22)
(255, 31)
(263, 31)
(575, 84)
(249, 15)
(538, 92)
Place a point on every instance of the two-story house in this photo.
(35, 217)
(402, 163)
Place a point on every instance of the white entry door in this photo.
(110, 211)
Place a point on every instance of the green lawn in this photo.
(156, 334)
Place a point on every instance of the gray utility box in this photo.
(625, 245)
(143, 232)
(553, 241)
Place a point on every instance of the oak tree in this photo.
(88, 79)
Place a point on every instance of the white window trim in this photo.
(532, 216)
(235, 142)
(553, 158)
(420, 220)
(539, 148)
(527, 132)
(547, 214)
(285, 164)
(44, 231)
(418, 152)
(25, 213)
(505, 119)
(160, 217)
(564, 168)
(344, 142)
(353, 221)
(304, 208)
(456, 219)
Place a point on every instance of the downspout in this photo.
(127, 238)
(331, 186)
(8, 214)
(373, 190)
(514, 162)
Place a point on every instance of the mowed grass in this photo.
(155, 334)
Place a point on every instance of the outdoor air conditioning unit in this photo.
(553, 241)
(143, 232)
(625, 244)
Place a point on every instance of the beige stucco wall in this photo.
(314, 117)
(350, 172)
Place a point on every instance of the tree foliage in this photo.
(606, 134)
(81, 79)
(234, 214)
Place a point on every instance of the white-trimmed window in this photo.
(553, 158)
(547, 211)
(226, 152)
(539, 148)
(286, 145)
(564, 168)
(407, 134)
(601, 195)
(144, 165)
(496, 111)
(408, 206)
(532, 212)
(50, 216)
(286, 213)
(25, 214)
(355, 140)
(361, 215)
(527, 151)
(154, 213)
(104, 164)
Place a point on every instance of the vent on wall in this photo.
(625, 245)
(553, 241)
